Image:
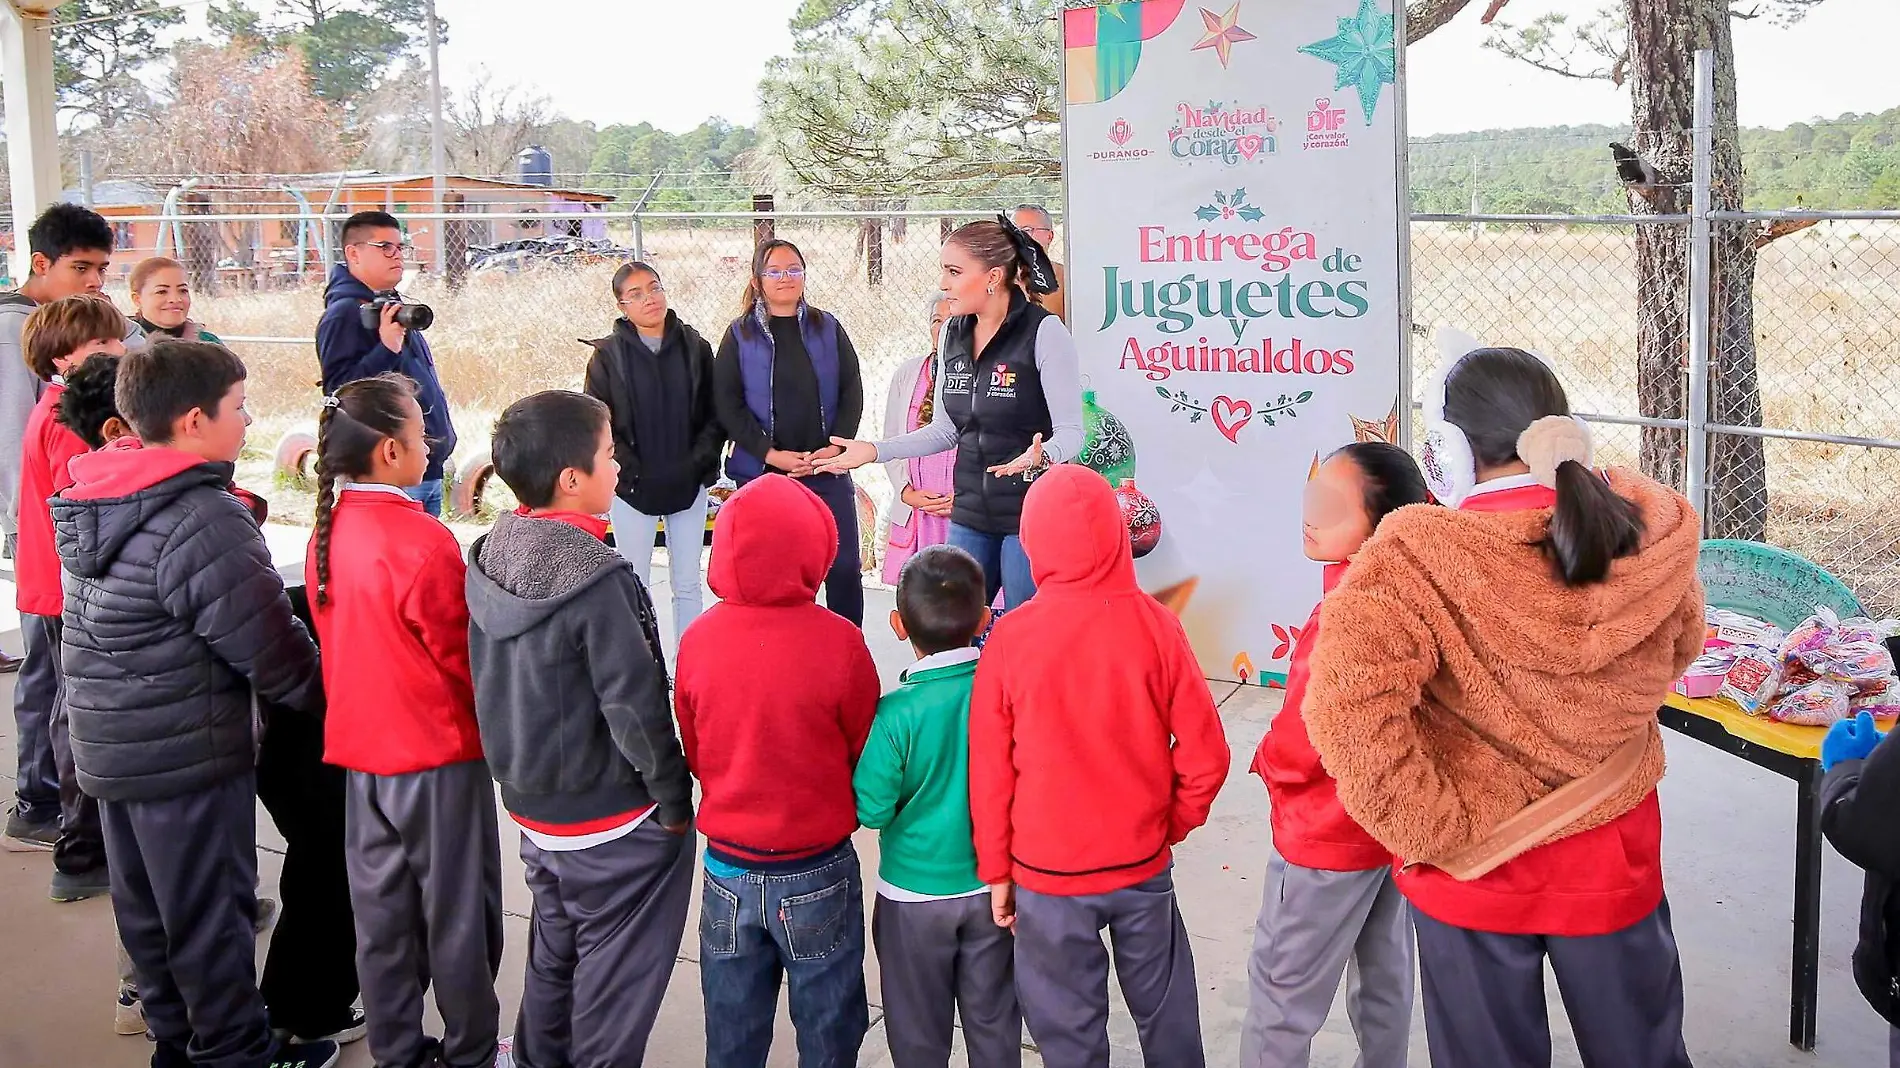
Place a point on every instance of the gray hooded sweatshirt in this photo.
(570, 682)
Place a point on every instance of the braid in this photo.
(326, 503)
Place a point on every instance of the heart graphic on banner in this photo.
(1229, 416)
(1250, 145)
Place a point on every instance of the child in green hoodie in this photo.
(938, 946)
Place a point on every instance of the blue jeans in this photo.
(430, 494)
(806, 926)
(1005, 565)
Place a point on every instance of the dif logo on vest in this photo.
(1002, 382)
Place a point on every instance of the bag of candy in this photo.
(1853, 651)
(1752, 680)
(1818, 704)
(1726, 628)
(1882, 700)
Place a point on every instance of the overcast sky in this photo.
(675, 63)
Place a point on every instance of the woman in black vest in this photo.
(785, 381)
(1009, 398)
(654, 374)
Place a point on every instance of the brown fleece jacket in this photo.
(1458, 679)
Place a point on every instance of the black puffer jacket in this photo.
(173, 614)
(1858, 802)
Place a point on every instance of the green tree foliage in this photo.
(697, 166)
(882, 97)
(345, 43)
(100, 47)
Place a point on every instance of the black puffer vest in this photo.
(997, 405)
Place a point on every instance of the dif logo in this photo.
(1001, 377)
(1325, 126)
(1120, 133)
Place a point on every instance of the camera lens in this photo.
(415, 316)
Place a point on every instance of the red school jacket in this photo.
(1310, 826)
(45, 452)
(394, 637)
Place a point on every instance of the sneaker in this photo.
(306, 1055)
(10, 664)
(70, 887)
(505, 1053)
(26, 836)
(129, 1017)
(351, 1032)
(265, 915)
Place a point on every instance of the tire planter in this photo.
(296, 458)
(471, 482)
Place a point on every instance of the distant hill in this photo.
(1849, 162)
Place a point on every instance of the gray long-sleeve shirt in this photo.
(1060, 368)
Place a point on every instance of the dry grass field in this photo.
(1827, 327)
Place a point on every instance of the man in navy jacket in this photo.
(373, 248)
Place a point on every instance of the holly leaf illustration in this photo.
(1282, 399)
(1240, 196)
(1163, 390)
(1268, 419)
(1220, 197)
(1207, 214)
(1251, 213)
(1195, 418)
(1307, 396)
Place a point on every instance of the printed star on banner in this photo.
(1363, 52)
(1224, 32)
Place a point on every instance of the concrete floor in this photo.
(1728, 855)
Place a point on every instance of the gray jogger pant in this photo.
(1062, 974)
(601, 946)
(424, 863)
(1484, 995)
(1313, 927)
(939, 958)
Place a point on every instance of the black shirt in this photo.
(662, 404)
(795, 405)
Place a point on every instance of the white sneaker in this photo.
(128, 1017)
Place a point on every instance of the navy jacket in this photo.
(349, 352)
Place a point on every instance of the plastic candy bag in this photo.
(1882, 701)
(1726, 628)
(1705, 677)
(1853, 651)
(1818, 704)
(1753, 680)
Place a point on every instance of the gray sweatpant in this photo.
(424, 864)
(601, 946)
(1062, 974)
(939, 959)
(1315, 926)
(1484, 995)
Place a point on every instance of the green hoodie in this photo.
(913, 781)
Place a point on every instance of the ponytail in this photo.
(1592, 526)
(355, 420)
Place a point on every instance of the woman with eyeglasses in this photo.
(161, 301)
(785, 383)
(921, 486)
(1009, 400)
(654, 374)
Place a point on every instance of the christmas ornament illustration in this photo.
(1108, 448)
(1386, 430)
(1141, 516)
(1364, 53)
(1223, 33)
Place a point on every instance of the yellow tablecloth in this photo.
(1781, 737)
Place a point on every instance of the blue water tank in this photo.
(535, 165)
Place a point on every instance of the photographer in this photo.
(362, 291)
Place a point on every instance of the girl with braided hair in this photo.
(423, 855)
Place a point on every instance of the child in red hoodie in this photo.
(56, 338)
(424, 858)
(775, 699)
(1095, 748)
(1329, 894)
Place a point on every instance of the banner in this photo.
(1236, 275)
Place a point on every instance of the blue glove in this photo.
(1850, 739)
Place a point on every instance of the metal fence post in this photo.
(639, 231)
(1700, 288)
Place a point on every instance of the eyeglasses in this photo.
(779, 275)
(1040, 230)
(639, 296)
(390, 249)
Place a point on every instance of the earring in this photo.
(990, 289)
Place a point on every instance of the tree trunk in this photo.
(1664, 36)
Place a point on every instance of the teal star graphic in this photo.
(1364, 53)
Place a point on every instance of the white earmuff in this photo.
(1451, 471)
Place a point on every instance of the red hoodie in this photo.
(1094, 742)
(774, 694)
(394, 637)
(1593, 883)
(1310, 826)
(45, 453)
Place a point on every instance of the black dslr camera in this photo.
(408, 316)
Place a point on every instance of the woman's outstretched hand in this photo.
(1030, 460)
(851, 456)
